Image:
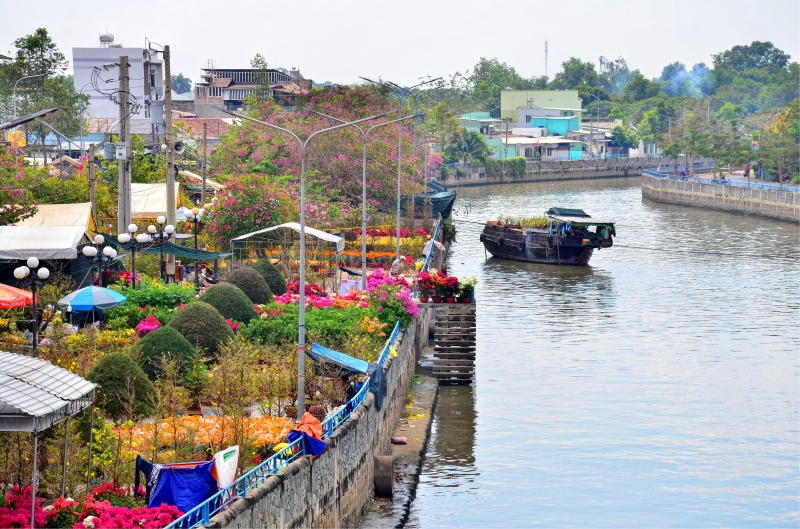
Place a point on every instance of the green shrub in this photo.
(164, 341)
(129, 315)
(202, 325)
(271, 274)
(154, 293)
(124, 388)
(252, 284)
(231, 302)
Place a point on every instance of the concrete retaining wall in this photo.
(782, 205)
(562, 170)
(329, 491)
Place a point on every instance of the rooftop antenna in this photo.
(106, 39)
(545, 58)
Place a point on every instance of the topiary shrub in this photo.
(275, 280)
(202, 325)
(163, 341)
(252, 284)
(125, 391)
(231, 302)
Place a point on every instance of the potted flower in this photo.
(425, 286)
(450, 288)
(467, 289)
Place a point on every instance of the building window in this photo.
(528, 152)
(527, 119)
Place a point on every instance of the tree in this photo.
(468, 146)
(125, 391)
(261, 77)
(673, 78)
(616, 72)
(441, 124)
(640, 88)
(574, 73)
(181, 84)
(623, 138)
(617, 113)
(489, 78)
(16, 199)
(758, 55)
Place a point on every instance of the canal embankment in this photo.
(762, 200)
(335, 488)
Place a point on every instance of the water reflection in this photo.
(656, 387)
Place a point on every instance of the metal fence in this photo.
(427, 261)
(754, 185)
(201, 514)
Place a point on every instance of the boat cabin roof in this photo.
(581, 221)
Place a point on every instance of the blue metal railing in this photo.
(427, 261)
(754, 185)
(201, 514)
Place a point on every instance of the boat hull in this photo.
(536, 247)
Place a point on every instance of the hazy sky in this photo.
(401, 41)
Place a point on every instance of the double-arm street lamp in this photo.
(133, 246)
(301, 331)
(162, 231)
(364, 136)
(197, 214)
(402, 93)
(32, 276)
(99, 259)
(14, 96)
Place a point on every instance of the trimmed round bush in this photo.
(202, 325)
(251, 284)
(120, 379)
(275, 280)
(164, 341)
(231, 302)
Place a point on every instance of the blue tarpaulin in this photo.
(355, 365)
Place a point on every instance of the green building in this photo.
(511, 100)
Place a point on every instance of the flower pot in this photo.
(466, 300)
(436, 299)
(423, 299)
(450, 300)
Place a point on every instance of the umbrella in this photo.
(14, 298)
(90, 298)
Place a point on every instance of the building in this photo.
(513, 100)
(230, 87)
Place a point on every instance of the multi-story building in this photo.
(230, 87)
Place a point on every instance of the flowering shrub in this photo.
(147, 325)
(17, 510)
(117, 496)
(392, 298)
(234, 325)
(135, 518)
(64, 512)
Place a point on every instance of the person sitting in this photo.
(398, 266)
(349, 388)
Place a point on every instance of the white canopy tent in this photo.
(79, 214)
(319, 234)
(150, 200)
(42, 242)
(36, 395)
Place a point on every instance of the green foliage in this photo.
(252, 284)
(15, 195)
(516, 167)
(261, 76)
(271, 274)
(758, 55)
(468, 147)
(624, 138)
(127, 316)
(230, 301)
(154, 293)
(574, 73)
(125, 391)
(181, 84)
(448, 232)
(640, 88)
(203, 326)
(490, 77)
(164, 341)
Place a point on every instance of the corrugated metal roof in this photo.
(35, 394)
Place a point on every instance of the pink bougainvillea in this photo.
(132, 518)
(147, 325)
(16, 511)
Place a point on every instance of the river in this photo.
(656, 387)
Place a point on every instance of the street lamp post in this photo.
(99, 259)
(133, 246)
(26, 279)
(402, 92)
(301, 331)
(197, 213)
(168, 230)
(591, 132)
(14, 97)
(364, 135)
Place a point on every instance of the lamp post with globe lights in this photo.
(32, 275)
(197, 214)
(133, 246)
(99, 259)
(169, 229)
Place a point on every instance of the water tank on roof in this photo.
(106, 39)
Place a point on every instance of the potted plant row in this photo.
(439, 287)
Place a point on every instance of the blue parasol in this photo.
(90, 298)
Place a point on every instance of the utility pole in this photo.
(124, 205)
(205, 146)
(92, 184)
(170, 156)
(545, 58)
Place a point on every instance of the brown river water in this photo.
(657, 387)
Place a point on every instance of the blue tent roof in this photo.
(346, 361)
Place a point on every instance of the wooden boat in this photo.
(569, 238)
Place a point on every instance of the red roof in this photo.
(216, 126)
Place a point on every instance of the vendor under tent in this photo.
(42, 242)
(36, 395)
(14, 298)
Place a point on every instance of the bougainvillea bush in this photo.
(132, 518)
(16, 511)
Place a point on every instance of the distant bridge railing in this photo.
(720, 182)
